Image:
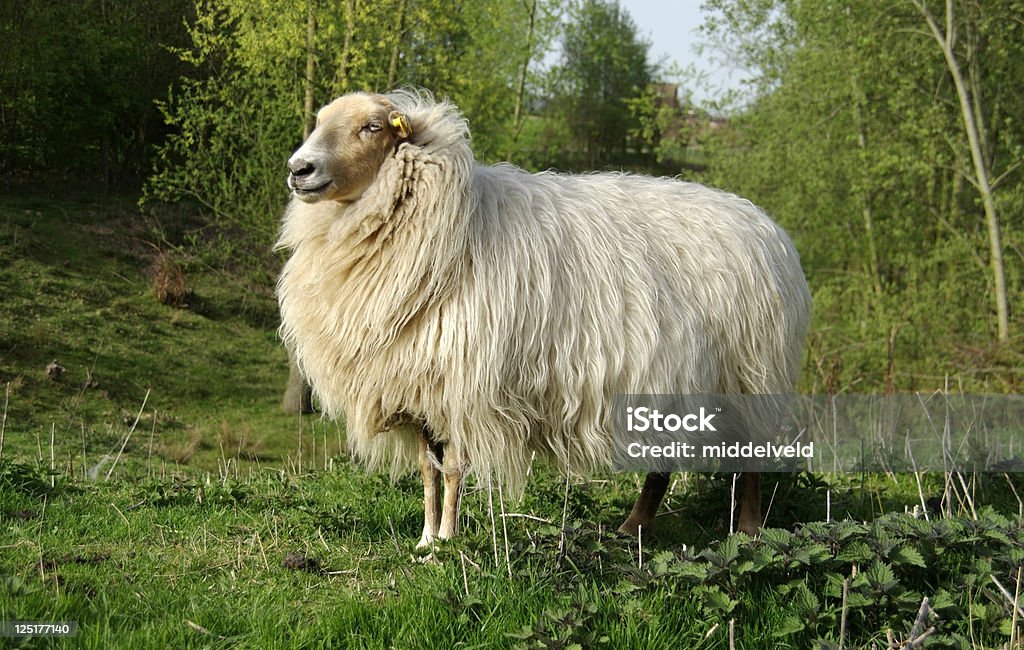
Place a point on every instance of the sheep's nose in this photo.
(301, 167)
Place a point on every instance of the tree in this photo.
(603, 67)
(968, 87)
(77, 83)
(258, 69)
(235, 118)
(854, 138)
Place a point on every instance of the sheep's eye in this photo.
(373, 127)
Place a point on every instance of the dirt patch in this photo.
(296, 562)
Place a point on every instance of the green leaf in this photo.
(814, 530)
(790, 625)
(908, 555)
(742, 567)
(763, 558)
(942, 603)
(805, 603)
(714, 601)
(856, 600)
(1006, 626)
(880, 575)
(776, 538)
(696, 571)
(847, 529)
(997, 535)
(856, 551)
(812, 554)
(834, 585)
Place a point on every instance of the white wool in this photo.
(505, 309)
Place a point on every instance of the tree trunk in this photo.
(341, 76)
(308, 118)
(517, 109)
(395, 48)
(874, 271)
(973, 125)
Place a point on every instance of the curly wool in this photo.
(505, 309)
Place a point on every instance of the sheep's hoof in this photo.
(429, 558)
(752, 529)
(426, 543)
(631, 527)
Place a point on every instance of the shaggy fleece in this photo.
(505, 309)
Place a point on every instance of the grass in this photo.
(225, 523)
(78, 290)
(282, 559)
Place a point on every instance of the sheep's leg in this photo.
(750, 504)
(642, 515)
(431, 490)
(452, 496)
(298, 397)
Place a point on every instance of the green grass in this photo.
(138, 566)
(228, 524)
(184, 562)
(77, 288)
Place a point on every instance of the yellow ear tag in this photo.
(400, 123)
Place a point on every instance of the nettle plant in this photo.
(873, 575)
(888, 582)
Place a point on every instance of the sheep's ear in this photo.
(400, 123)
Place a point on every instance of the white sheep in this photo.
(468, 315)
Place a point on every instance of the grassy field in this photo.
(154, 493)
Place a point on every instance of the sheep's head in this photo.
(340, 159)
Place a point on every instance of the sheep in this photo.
(463, 317)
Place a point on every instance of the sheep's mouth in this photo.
(308, 189)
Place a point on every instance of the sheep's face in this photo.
(340, 159)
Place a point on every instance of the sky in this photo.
(672, 28)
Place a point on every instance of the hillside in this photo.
(77, 282)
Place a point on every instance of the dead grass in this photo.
(169, 284)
